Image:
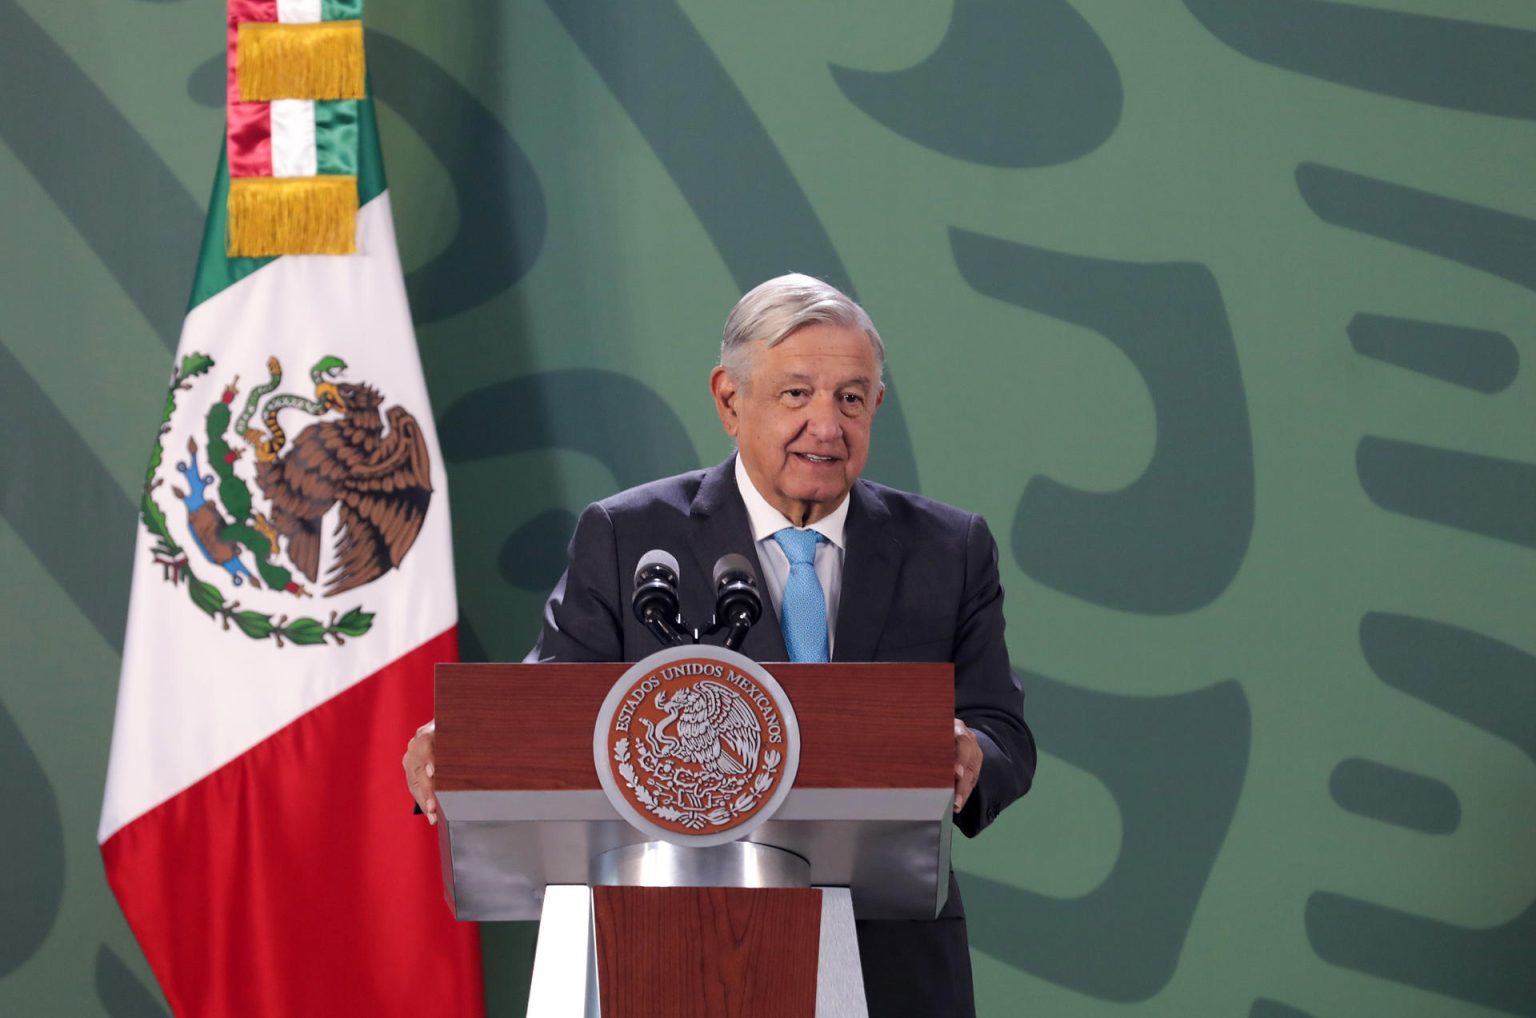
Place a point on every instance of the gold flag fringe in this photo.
(292, 215)
(320, 60)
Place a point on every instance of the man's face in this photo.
(801, 418)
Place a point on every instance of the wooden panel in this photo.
(873, 725)
(530, 726)
(519, 726)
(703, 952)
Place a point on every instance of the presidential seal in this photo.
(696, 745)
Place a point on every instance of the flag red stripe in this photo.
(248, 133)
(294, 880)
(247, 126)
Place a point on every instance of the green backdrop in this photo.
(1215, 308)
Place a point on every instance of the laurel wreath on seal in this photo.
(176, 568)
(665, 803)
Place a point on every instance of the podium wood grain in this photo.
(707, 952)
(508, 726)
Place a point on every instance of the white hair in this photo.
(771, 312)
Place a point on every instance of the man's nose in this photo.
(824, 422)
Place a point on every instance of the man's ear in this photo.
(879, 397)
(725, 391)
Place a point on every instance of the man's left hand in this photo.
(967, 763)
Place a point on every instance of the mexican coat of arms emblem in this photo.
(696, 745)
(253, 498)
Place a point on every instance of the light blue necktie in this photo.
(803, 615)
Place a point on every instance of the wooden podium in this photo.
(636, 927)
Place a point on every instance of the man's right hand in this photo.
(419, 770)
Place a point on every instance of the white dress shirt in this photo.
(765, 521)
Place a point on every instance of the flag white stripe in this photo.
(293, 138)
(298, 11)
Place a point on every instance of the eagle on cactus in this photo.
(380, 475)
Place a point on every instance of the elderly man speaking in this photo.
(855, 571)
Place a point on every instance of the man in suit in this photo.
(855, 571)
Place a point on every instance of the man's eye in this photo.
(796, 393)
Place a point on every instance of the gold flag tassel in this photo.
(292, 215)
(320, 60)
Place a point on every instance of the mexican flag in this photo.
(292, 590)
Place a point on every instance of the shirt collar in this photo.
(767, 521)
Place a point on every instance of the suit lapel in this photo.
(870, 567)
(720, 528)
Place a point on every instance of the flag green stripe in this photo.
(340, 10)
(336, 136)
(216, 271)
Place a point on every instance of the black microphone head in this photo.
(734, 568)
(656, 564)
(737, 602)
(655, 597)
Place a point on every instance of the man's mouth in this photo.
(812, 457)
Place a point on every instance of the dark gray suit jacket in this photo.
(920, 583)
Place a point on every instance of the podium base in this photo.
(633, 952)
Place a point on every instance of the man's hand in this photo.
(419, 770)
(967, 763)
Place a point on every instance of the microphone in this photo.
(737, 602)
(655, 597)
